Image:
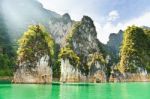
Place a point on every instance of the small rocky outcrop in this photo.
(70, 64)
(41, 73)
(34, 57)
(139, 75)
(69, 73)
(97, 68)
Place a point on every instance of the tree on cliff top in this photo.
(68, 53)
(95, 57)
(132, 49)
(34, 44)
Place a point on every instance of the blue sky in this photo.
(109, 15)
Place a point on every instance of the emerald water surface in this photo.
(76, 91)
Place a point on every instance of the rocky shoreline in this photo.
(111, 80)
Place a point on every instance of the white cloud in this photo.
(108, 27)
(143, 20)
(105, 30)
(113, 15)
(76, 8)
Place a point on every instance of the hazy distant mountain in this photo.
(19, 14)
(114, 43)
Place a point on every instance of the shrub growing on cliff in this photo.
(34, 44)
(95, 57)
(82, 39)
(68, 53)
(72, 33)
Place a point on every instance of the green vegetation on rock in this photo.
(82, 40)
(72, 32)
(68, 53)
(34, 44)
(134, 50)
(96, 57)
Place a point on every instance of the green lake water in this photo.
(76, 91)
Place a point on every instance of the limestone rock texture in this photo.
(34, 57)
(41, 73)
(82, 40)
(69, 73)
(59, 27)
(97, 68)
(140, 75)
(97, 73)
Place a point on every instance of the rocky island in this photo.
(34, 57)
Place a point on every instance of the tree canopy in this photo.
(34, 44)
(68, 53)
(95, 57)
(133, 49)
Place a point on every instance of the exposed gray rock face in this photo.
(69, 73)
(59, 27)
(140, 75)
(83, 41)
(84, 38)
(115, 41)
(41, 73)
(97, 73)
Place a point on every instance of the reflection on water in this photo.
(104, 91)
(76, 91)
(124, 91)
(5, 82)
(25, 91)
(69, 91)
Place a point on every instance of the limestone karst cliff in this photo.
(29, 12)
(59, 27)
(134, 55)
(82, 40)
(97, 68)
(34, 57)
(70, 62)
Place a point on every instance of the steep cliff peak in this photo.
(66, 16)
(120, 31)
(112, 35)
(116, 36)
(87, 20)
(87, 27)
